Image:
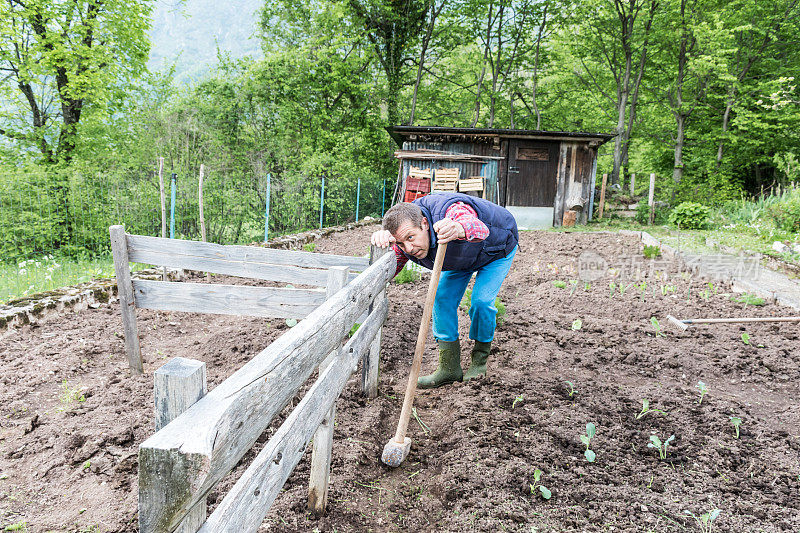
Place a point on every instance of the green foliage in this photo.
(407, 276)
(560, 284)
(703, 391)
(748, 299)
(310, 246)
(652, 251)
(646, 409)
(690, 215)
(785, 212)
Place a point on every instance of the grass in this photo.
(46, 273)
(407, 276)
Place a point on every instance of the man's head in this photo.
(409, 228)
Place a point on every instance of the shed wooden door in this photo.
(532, 170)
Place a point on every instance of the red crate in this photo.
(418, 184)
(413, 195)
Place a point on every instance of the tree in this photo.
(61, 59)
(392, 27)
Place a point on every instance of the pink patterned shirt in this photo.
(474, 229)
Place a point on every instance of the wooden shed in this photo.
(537, 175)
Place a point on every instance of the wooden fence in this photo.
(201, 437)
(301, 268)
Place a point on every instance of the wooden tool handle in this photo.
(741, 320)
(411, 388)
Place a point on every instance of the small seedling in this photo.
(423, 425)
(662, 447)
(87, 465)
(518, 399)
(571, 388)
(652, 251)
(577, 324)
(591, 430)
(736, 421)
(574, 283)
(746, 338)
(705, 520)
(624, 288)
(310, 246)
(611, 286)
(703, 390)
(667, 288)
(656, 326)
(291, 322)
(544, 491)
(560, 284)
(646, 409)
(586, 286)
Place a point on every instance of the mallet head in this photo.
(394, 453)
(677, 323)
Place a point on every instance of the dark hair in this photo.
(402, 212)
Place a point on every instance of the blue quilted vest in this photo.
(461, 254)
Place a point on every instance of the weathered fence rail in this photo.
(284, 266)
(183, 461)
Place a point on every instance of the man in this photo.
(482, 239)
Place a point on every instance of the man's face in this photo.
(413, 240)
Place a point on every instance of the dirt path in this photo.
(72, 419)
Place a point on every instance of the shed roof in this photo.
(428, 133)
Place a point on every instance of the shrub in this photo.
(786, 213)
(690, 215)
(660, 213)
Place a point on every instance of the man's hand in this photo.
(448, 230)
(382, 238)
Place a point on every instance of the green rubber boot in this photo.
(480, 353)
(449, 367)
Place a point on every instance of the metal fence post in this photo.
(266, 211)
(358, 197)
(321, 202)
(173, 185)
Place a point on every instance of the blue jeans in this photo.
(482, 311)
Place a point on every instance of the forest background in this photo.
(701, 92)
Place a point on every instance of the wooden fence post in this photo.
(603, 195)
(119, 249)
(323, 437)
(371, 363)
(177, 386)
(633, 182)
(651, 198)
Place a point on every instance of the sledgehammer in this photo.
(396, 450)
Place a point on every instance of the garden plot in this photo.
(567, 355)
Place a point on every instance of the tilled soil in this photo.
(72, 417)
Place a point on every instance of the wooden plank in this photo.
(561, 178)
(182, 462)
(471, 184)
(603, 196)
(152, 250)
(633, 184)
(323, 437)
(243, 509)
(651, 198)
(226, 299)
(177, 386)
(126, 299)
(371, 363)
